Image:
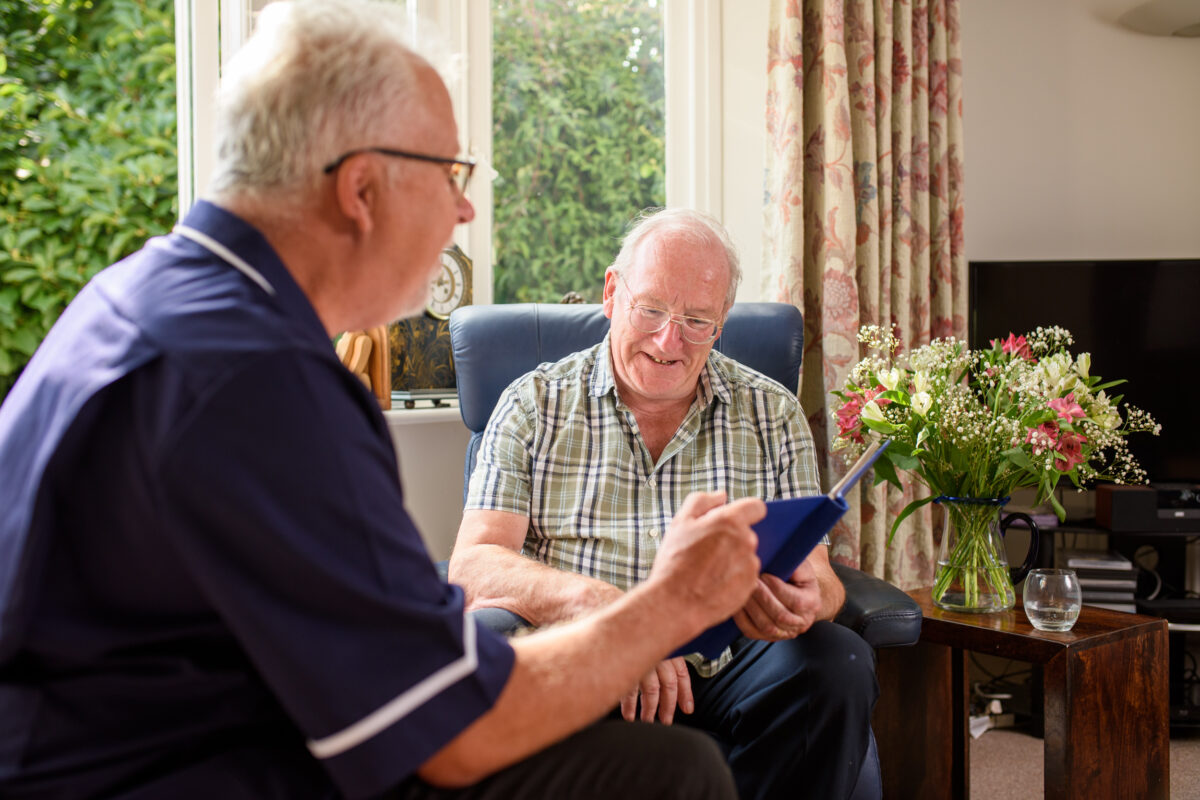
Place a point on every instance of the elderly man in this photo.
(209, 585)
(583, 464)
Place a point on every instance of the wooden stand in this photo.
(1105, 710)
(379, 368)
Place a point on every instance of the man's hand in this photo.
(780, 609)
(662, 689)
(708, 559)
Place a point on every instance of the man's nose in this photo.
(466, 211)
(671, 334)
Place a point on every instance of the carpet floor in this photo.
(1006, 764)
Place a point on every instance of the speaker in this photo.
(1143, 509)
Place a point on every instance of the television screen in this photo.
(1140, 320)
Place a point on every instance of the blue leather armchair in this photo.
(494, 345)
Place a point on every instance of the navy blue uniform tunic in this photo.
(209, 585)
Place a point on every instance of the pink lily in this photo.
(1017, 346)
(1066, 408)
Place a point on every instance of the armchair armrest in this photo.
(879, 612)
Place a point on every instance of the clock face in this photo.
(451, 287)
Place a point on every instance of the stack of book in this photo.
(1108, 579)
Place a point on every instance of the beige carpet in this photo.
(1007, 765)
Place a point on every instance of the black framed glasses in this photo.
(460, 168)
(649, 319)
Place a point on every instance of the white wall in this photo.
(431, 445)
(743, 133)
(1081, 137)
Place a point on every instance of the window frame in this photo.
(209, 32)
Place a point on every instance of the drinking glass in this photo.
(1052, 599)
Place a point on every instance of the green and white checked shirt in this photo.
(564, 450)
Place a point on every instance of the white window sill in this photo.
(399, 417)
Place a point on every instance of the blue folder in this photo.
(786, 535)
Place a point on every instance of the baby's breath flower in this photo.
(981, 422)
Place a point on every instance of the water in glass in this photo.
(1052, 599)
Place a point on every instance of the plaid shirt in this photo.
(564, 450)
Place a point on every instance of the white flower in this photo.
(1082, 364)
(1057, 375)
(1103, 413)
(873, 412)
(921, 401)
(921, 382)
(889, 378)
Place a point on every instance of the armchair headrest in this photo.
(494, 345)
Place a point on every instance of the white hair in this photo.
(696, 227)
(316, 78)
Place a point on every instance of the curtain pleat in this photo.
(863, 215)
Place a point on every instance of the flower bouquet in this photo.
(972, 426)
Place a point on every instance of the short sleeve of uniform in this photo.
(285, 501)
(501, 480)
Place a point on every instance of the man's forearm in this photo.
(494, 576)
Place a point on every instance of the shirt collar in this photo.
(248, 242)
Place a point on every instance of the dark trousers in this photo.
(611, 760)
(793, 717)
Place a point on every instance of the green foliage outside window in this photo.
(88, 165)
(578, 139)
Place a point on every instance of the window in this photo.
(689, 57)
(578, 139)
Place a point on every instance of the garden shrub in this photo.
(88, 167)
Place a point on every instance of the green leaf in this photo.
(23, 341)
(907, 512)
(1018, 457)
(902, 460)
(19, 275)
(879, 426)
(884, 471)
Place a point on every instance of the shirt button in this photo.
(651, 482)
(652, 533)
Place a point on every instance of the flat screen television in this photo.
(1140, 320)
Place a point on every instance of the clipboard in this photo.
(786, 535)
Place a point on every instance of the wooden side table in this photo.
(1106, 716)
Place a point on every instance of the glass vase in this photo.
(972, 573)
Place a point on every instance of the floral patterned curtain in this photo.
(864, 215)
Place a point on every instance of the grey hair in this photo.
(316, 78)
(697, 228)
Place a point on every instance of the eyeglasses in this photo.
(649, 319)
(460, 168)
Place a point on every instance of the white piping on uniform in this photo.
(398, 708)
(220, 250)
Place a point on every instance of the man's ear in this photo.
(610, 291)
(357, 193)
